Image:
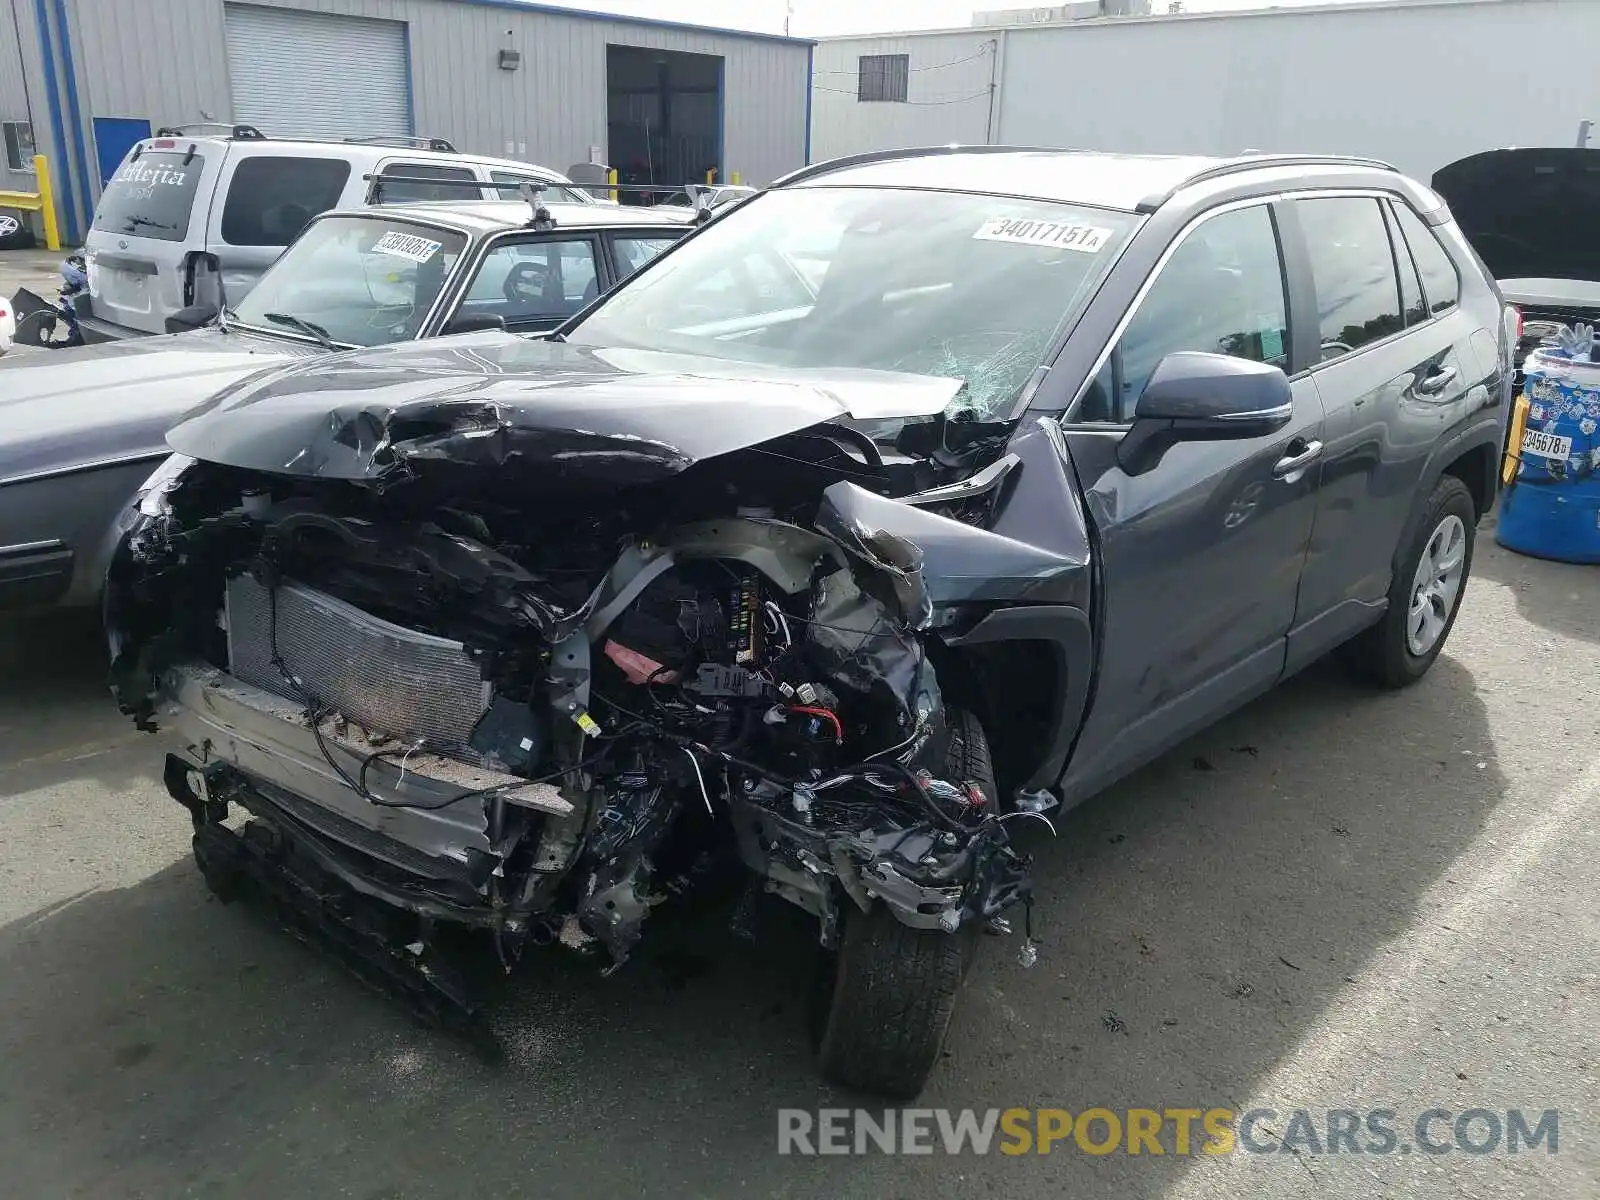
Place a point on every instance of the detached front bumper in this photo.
(260, 750)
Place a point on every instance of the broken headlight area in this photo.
(546, 724)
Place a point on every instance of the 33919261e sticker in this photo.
(1057, 235)
(406, 245)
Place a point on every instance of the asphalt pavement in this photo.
(1333, 900)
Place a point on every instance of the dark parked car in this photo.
(81, 429)
(911, 498)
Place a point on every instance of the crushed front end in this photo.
(455, 707)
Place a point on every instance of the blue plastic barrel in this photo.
(1552, 508)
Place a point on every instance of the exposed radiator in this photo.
(385, 678)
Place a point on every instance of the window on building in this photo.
(270, 198)
(1358, 294)
(20, 149)
(1221, 292)
(884, 77)
(1440, 282)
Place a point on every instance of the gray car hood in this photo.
(560, 412)
(65, 409)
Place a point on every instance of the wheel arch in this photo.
(1025, 672)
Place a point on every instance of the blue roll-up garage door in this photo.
(305, 74)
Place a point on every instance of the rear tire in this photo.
(894, 987)
(1399, 649)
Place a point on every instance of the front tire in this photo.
(895, 987)
(1429, 581)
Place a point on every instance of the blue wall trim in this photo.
(811, 76)
(80, 150)
(647, 22)
(722, 119)
(411, 86)
(52, 89)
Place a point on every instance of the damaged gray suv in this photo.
(914, 498)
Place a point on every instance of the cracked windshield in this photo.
(360, 281)
(954, 285)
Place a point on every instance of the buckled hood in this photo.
(565, 412)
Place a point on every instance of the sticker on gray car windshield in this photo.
(1055, 234)
(406, 245)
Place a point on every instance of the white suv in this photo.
(188, 209)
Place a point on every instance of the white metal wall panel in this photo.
(166, 60)
(1418, 85)
(947, 93)
(316, 74)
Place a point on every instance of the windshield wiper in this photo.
(301, 325)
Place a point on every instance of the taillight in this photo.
(1518, 313)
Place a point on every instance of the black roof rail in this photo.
(1257, 162)
(440, 145)
(876, 156)
(243, 133)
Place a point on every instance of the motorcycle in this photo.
(53, 326)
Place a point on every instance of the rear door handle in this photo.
(1435, 381)
(1290, 466)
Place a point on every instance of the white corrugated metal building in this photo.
(1419, 83)
(550, 85)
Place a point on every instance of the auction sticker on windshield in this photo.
(406, 245)
(1087, 239)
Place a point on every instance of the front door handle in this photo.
(1435, 381)
(1290, 467)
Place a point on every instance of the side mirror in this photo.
(473, 323)
(1198, 397)
(196, 316)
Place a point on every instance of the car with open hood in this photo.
(1530, 214)
(911, 499)
(82, 428)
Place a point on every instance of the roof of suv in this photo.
(419, 150)
(482, 217)
(1131, 182)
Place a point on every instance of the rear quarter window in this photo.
(271, 198)
(151, 196)
(1440, 282)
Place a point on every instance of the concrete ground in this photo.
(1334, 899)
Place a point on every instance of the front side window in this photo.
(1352, 265)
(271, 198)
(535, 281)
(954, 285)
(1221, 291)
(634, 250)
(1440, 281)
(407, 192)
(364, 281)
(151, 196)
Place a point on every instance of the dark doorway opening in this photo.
(664, 118)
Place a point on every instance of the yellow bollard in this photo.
(733, 178)
(47, 202)
(711, 177)
(611, 178)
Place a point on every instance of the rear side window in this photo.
(403, 193)
(270, 199)
(151, 196)
(1440, 282)
(634, 250)
(1352, 264)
